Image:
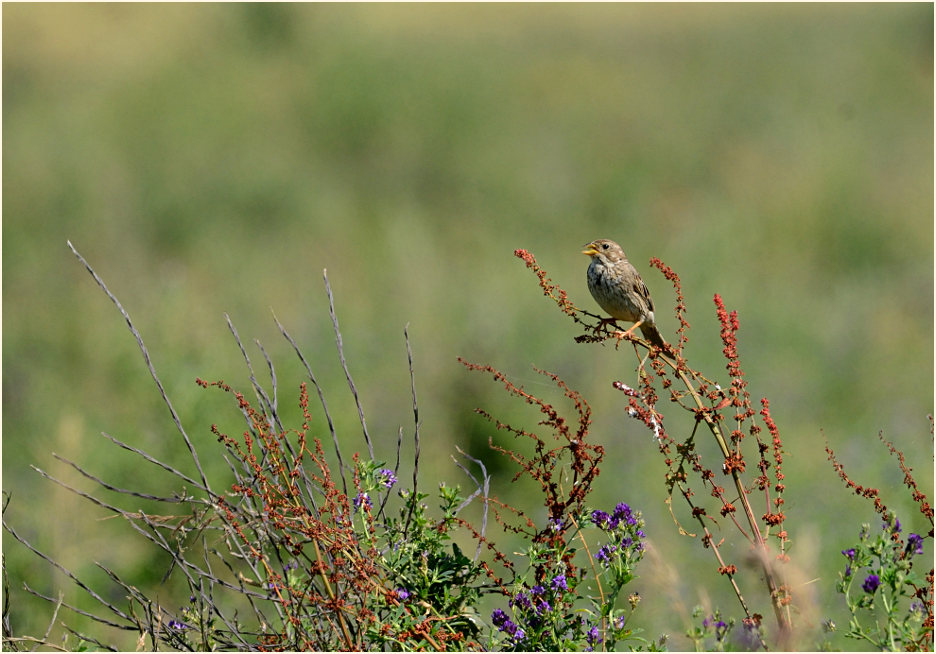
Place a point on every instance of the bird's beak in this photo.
(590, 250)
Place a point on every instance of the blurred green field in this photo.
(216, 158)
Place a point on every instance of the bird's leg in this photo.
(630, 332)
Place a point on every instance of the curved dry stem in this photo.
(149, 363)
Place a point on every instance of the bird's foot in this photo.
(603, 324)
(618, 334)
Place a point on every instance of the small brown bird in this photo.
(618, 289)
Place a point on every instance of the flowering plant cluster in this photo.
(562, 612)
(716, 633)
(894, 607)
(300, 549)
(624, 547)
(728, 413)
(890, 603)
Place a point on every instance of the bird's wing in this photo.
(641, 290)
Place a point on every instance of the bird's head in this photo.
(605, 250)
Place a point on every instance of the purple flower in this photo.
(604, 554)
(914, 544)
(559, 583)
(895, 528)
(503, 623)
(593, 636)
(849, 553)
(402, 593)
(499, 618)
(622, 511)
(537, 590)
(362, 500)
(871, 583)
(601, 519)
(178, 626)
(389, 479)
(521, 600)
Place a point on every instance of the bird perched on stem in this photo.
(618, 289)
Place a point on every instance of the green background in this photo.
(216, 158)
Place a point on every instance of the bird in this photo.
(618, 289)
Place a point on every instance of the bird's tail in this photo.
(652, 334)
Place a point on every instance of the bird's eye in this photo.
(604, 246)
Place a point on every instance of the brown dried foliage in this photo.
(575, 453)
(726, 412)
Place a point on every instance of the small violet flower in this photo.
(593, 636)
(499, 618)
(601, 519)
(503, 623)
(604, 554)
(559, 583)
(871, 583)
(517, 633)
(914, 544)
(623, 512)
(521, 600)
(388, 478)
